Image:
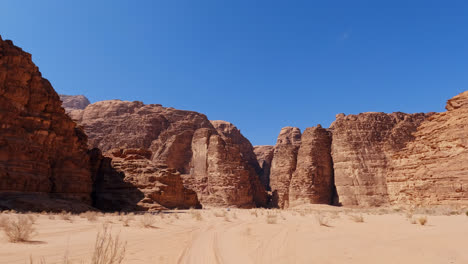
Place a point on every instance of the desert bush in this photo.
(219, 213)
(422, 220)
(466, 213)
(357, 218)
(272, 218)
(3, 220)
(322, 220)
(52, 217)
(196, 215)
(91, 216)
(108, 249)
(254, 212)
(66, 216)
(20, 229)
(147, 220)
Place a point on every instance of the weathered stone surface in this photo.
(433, 167)
(74, 102)
(284, 164)
(312, 181)
(362, 147)
(126, 180)
(41, 149)
(264, 157)
(217, 165)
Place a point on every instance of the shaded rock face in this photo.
(41, 149)
(362, 150)
(264, 157)
(217, 165)
(433, 168)
(284, 164)
(302, 168)
(312, 181)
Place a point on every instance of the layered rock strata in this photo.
(215, 161)
(41, 149)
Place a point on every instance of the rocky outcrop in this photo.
(284, 164)
(362, 149)
(216, 162)
(312, 181)
(432, 168)
(74, 102)
(264, 156)
(41, 150)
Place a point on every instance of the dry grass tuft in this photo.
(147, 220)
(90, 215)
(322, 220)
(254, 212)
(272, 218)
(66, 216)
(196, 215)
(20, 229)
(466, 213)
(357, 218)
(108, 249)
(219, 213)
(422, 220)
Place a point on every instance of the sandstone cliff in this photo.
(215, 161)
(284, 164)
(362, 149)
(41, 150)
(433, 168)
(264, 157)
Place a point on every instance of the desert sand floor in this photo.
(245, 236)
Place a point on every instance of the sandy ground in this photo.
(244, 236)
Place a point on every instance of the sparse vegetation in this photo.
(322, 220)
(357, 218)
(196, 215)
(272, 218)
(147, 220)
(66, 216)
(219, 213)
(466, 213)
(422, 220)
(20, 229)
(108, 249)
(90, 215)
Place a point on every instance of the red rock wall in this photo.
(41, 149)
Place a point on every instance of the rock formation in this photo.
(433, 167)
(362, 149)
(284, 164)
(312, 181)
(214, 160)
(264, 157)
(74, 102)
(41, 150)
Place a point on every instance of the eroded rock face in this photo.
(74, 102)
(284, 164)
(41, 149)
(215, 164)
(264, 157)
(433, 168)
(312, 181)
(362, 149)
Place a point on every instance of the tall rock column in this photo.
(312, 181)
(283, 165)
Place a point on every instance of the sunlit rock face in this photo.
(214, 161)
(41, 149)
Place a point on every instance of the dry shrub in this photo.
(422, 220)
(20, 229)
(254, 212)
(272, 218)
(66, 216)
(52, 217)
(322, 220)
(147, 220)
(196, 215)
(32, 218)
(466, 213)
(3, 220)
(219, 213)
(90, 215)
(357, 218)
(108, 249)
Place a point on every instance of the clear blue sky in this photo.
(261, 65)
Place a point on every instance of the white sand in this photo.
(246, 238)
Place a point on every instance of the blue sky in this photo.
(261, 65)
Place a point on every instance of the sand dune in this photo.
(244, 236)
